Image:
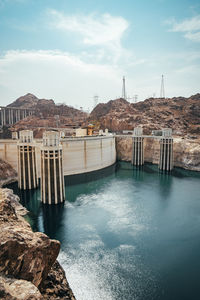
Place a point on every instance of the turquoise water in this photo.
(126, 233)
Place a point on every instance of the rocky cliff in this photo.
(186, 152)
(26, 101)
(7, 173)
(179, 113)
(28, 266)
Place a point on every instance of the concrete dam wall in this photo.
(80, 155)
(186, 153)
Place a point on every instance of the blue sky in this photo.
(72, 50)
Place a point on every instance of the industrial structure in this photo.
(162, 88)
(96, 100)
(166, 150)
(52, 178)
(138, 147)
(27, 173)
(11, 115)
(124, 95)
(55, 155)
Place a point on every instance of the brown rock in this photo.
(56, 286)
(7, 173)
(180, 114)
(26, 101)
(14, 289)
(23, 254)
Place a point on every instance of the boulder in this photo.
(28, 266)
(15, 289)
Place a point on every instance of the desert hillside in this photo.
(179, 113)
(47, 113)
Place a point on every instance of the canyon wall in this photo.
(7, 173)
(28, 266)
(186, 151)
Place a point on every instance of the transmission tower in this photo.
(124, 89)
(96, 100)
(135, 98)
(162, 89)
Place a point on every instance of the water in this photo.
(126, 234)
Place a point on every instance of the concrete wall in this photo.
(80, 155)
(8, 152)
(81, 132)
(186, 152)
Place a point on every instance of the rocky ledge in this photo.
(28, 266)
(7, 173)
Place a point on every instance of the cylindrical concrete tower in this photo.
(166, 150)
(14, 135)
(52, 179)
(138, 147)
(27, 173)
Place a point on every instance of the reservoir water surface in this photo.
(126, 234)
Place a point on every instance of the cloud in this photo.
(195, 36)
(95, 30)
(101, 31)
(190, 28)
(69, 78)
(55, 74)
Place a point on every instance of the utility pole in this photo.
(162, 89)
(135, 98)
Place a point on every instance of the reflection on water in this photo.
(52, 218)
(126, 233)
(165, 184)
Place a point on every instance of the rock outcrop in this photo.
(55, 286)
(179, 113)
(186, 152)
(26, 101)
(7, 173)
(15, 289)
(27, 256)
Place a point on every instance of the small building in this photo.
(81, 132)
(156, 132)
(166, 132)
(14, 135)
(127, 131)
(90, 129)
(62, 134)
(106, 131)
(138, 131)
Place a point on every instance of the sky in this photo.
(71, 51)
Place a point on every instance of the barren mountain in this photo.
(26, 101)
(47, 113)
(179, 113)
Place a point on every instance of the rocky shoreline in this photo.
(28, 265)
